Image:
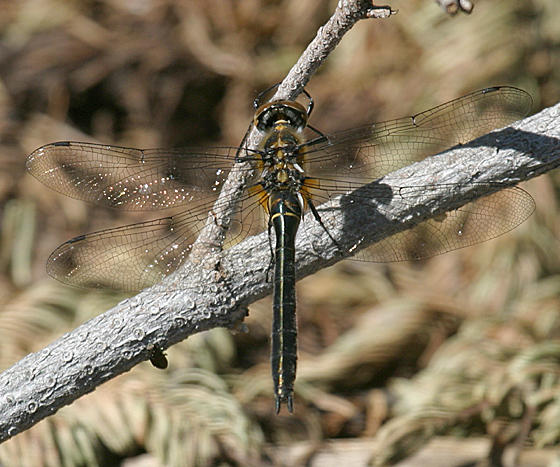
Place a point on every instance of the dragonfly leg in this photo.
(318, 219)
(243, 146)
(271, 263)
(310, 105)
(258, 99)
(319, 132)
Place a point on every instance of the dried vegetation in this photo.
(465, 344)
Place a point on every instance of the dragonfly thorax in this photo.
(282, 155)
(282, 177)
(282, 159)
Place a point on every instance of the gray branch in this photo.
(215, 290)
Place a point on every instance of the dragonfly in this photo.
(291, 174)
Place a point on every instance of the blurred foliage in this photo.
(467, 343)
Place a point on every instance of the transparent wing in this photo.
(359, 156)
(128, 258)
(133, 179)
(476, 222)
(135, 256)
(138, 255)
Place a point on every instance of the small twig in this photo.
(347, 13)
(452, 7)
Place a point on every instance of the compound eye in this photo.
(271, 114)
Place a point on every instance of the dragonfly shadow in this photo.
(362, 211)
(407, 221)
(543, 149)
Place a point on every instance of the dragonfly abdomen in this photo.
(285, 215)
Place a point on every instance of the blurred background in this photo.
(463, 345)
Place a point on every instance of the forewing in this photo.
(362, 155)
(129, 178)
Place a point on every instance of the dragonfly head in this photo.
(289, 113)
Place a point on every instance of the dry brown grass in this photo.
(465, 344)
